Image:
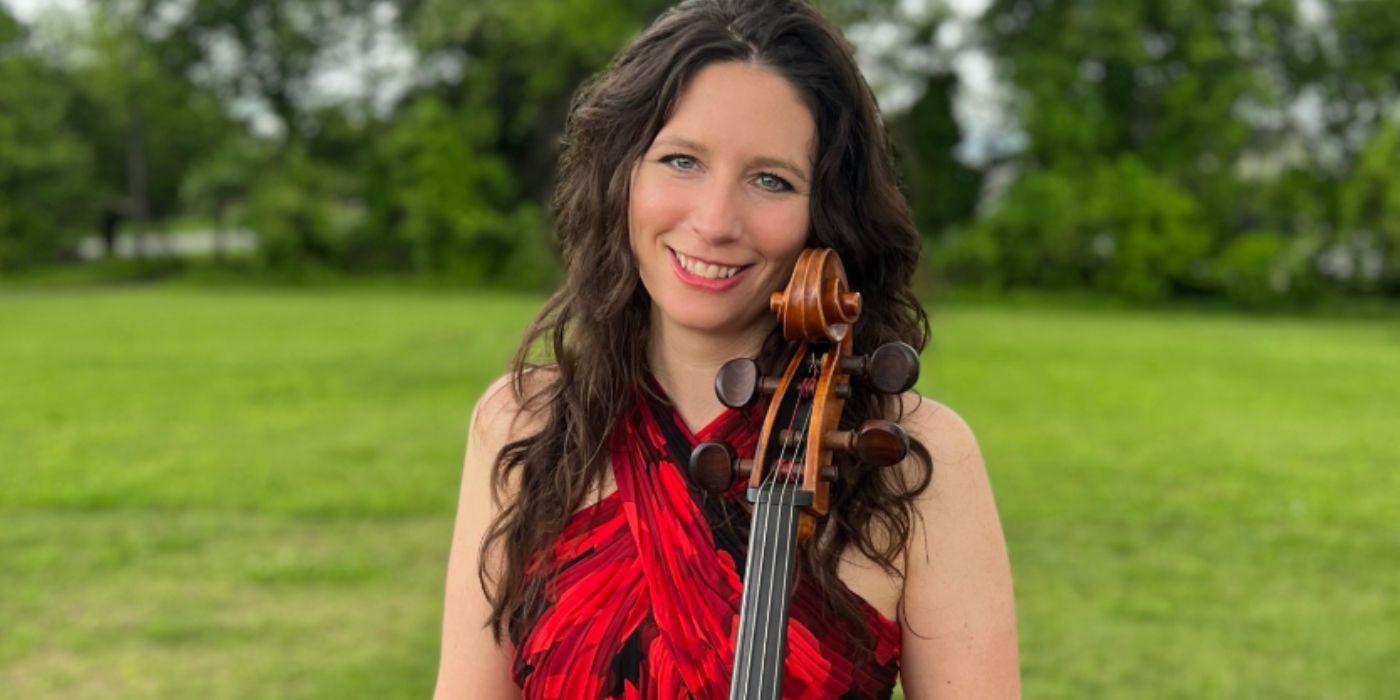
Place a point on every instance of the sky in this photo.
(27, 10)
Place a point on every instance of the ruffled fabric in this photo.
(644, 586)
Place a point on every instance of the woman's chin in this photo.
(710, 318)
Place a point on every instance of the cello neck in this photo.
(761, 648)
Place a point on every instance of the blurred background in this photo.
(258, 259)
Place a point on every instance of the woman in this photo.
(728, 137)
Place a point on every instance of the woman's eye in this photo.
(679, 162)
(773, 183)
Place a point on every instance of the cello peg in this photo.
(715, 465)
(878, 443)
(891, 369)
(738, 383)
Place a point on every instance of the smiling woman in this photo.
(712, 206)
(722, 142)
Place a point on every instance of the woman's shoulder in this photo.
(950, 445)
(941, 429)
(958, 608)
(508, 410)
(959, 489)
(953, 468)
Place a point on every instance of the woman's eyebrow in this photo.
(780, 164)
(759, 162)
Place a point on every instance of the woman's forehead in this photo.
(746, 110)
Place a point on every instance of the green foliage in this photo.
(1164, 149)
(456, 201)
(144, 122)
(523, 60)
(267, 51)
(223, 179)
(1163, 80)
(1369, 205)
(1118, 227)
(44, 170)
(942, 191)
(1140, 110)
(1248, 268)
(305, 214)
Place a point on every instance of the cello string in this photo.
(747, 612)
(745, 640)
(773, 597)
(785, 514)
(785, 540)
(757, 635)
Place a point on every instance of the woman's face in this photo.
(719, 202)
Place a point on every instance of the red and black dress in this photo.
(644, 586)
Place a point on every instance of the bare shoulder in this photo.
(942, 430)
(958, 612)
(507, 411)
(503, 405)
(473, 663)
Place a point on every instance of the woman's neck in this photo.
(685, 361)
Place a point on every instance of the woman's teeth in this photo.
(706, 270)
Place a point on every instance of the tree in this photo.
(44, 167)
(942, 190)
(143, 121)
(521, 62)
(1369, 214)
(1172, 96)
(266, 52)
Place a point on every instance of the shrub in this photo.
(1121, 228)
(304, 214)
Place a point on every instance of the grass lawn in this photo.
(248, 494)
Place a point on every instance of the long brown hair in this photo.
(593, 331)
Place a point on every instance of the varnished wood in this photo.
(712, 466)
(739, 383)
(816, 312)
(761, 454)
(878, 443)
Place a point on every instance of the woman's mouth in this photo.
(703, 274)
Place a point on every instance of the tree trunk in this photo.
(137, 172)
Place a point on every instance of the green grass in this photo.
(248, 494)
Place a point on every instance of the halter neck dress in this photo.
(643, 589)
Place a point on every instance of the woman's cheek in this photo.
(656, 205)
(781, 230)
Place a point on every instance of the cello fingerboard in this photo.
(761, 649)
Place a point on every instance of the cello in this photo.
(791, 472)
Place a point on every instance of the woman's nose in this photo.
(715, 215)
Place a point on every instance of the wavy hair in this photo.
(592, 332)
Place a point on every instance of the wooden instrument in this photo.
(790, 474)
